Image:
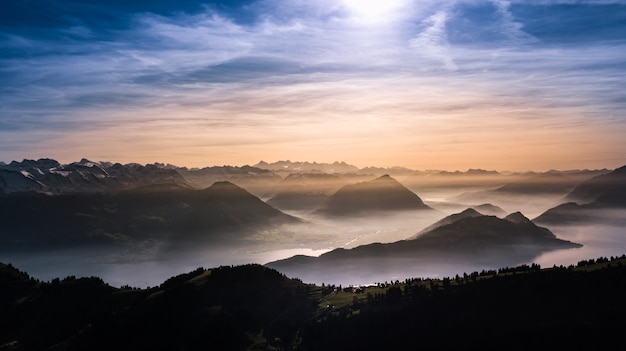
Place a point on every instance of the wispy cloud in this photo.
(257, 76)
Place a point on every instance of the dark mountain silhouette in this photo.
(308, 191)
(256, 308)
(468, 238)
(490, 210)
(222, 308)
(470, 212)
(381, 194)
(256, 180)
(604, 190)
(222, 212)
(600, 199)
(551, 183)
(544, 183)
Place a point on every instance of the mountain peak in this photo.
(470, 212)
(517, 217)
(385, 178)
(380, 194)
(224, 185)
(467, 213)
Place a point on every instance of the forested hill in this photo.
(256, 308)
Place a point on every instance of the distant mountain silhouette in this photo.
(467, 238)
(607, 189)
(308, 191)
(381, 194)
(544, 183)
(470, 212)
(490, 210)
(223, 212)
(300, 167)
(85, 176)
(470, 172)
(256, 180)
(599, 199)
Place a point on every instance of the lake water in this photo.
(598, 240)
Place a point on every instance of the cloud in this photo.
(263, 72)
(433, 41)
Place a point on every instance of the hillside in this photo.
(221, 212)
(255, 308)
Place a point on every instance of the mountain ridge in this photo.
(380, 194)
(467, 238)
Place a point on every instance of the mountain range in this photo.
(599, 199)
(221, 212)
(49, 176)
(467, 239)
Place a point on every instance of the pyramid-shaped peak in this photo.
(224, 185)
(517, 217)
(469, 212)
(380, 194)
(386, 179)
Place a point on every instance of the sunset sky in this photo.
(425, 84)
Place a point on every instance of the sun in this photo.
(373, 10)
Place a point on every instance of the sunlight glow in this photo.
(374, 10)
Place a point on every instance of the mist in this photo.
(306, 226)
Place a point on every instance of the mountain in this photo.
(605, 190)
(394, 171)
(381, 194)
(304, 167)
(308, 191)
(256, 180)
(466, 239)
(222, 212)
(490, 210)
(599, 199)
(470, 172)
(85, 176)
(544, 183)
(238, 308)
(252, 307)
(470, 212)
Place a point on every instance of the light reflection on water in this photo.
(597, 240)
(141, 274)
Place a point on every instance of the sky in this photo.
(424, 84)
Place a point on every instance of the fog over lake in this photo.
(150, 268)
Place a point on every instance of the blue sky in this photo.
(508, 85)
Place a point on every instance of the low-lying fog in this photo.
(322, 234)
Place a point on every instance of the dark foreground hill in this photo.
(256, 308)
(381, 194)
(221, 212)
(467, 239)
